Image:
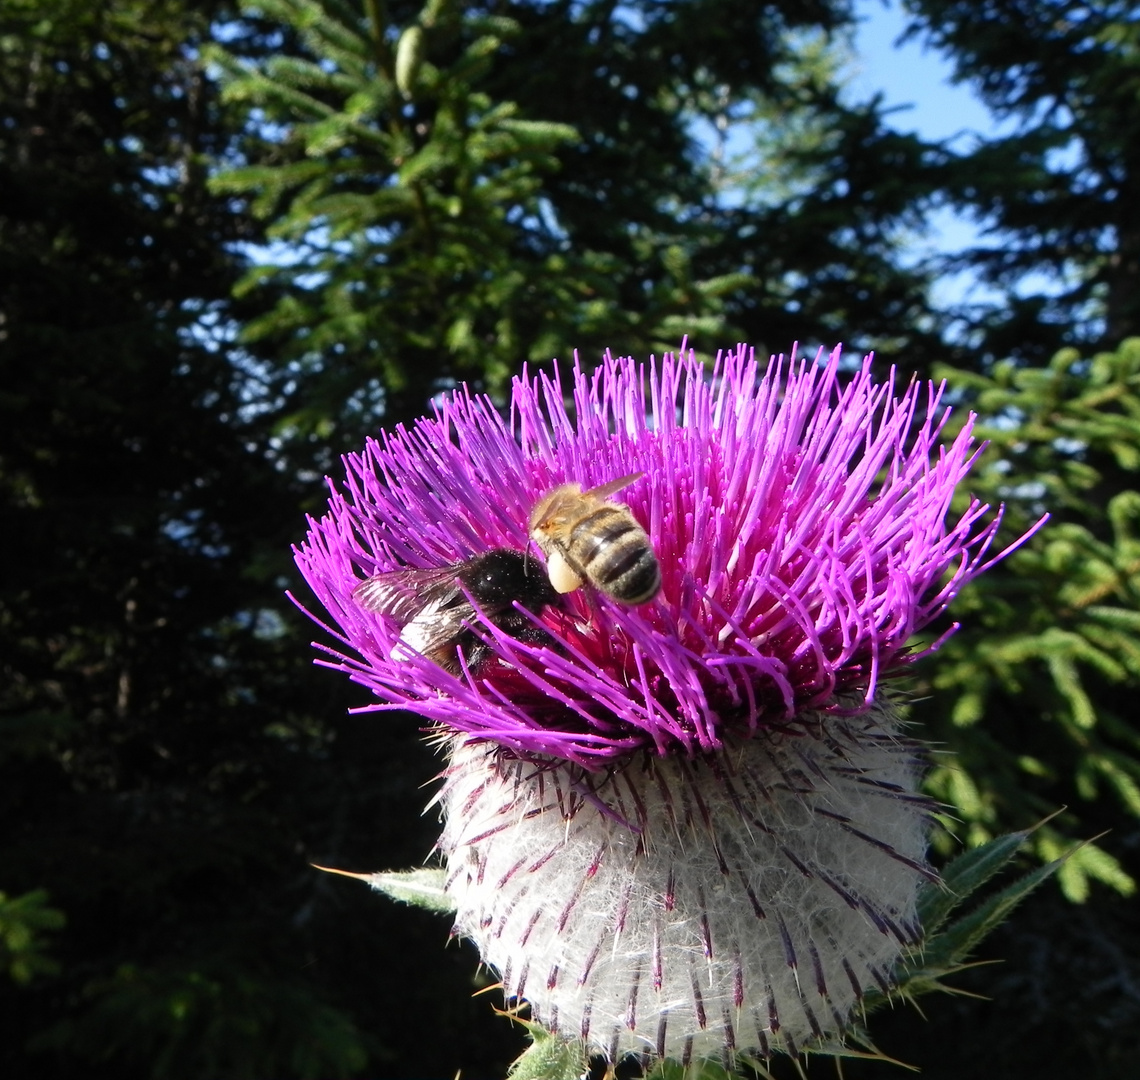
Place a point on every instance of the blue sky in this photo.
(919, 79)
(913, 76)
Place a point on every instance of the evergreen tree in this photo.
(1032, 708)
(462, 188)
(1056, 197)
(447, 191)
(805, 237)
(822, 202)
(155, 749)
(1035, 696)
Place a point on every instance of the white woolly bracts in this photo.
(685, 909)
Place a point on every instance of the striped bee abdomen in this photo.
(587, 538)
(612, 551)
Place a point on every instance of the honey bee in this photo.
(438, 607)
(587, 538)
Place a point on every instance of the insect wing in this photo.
(604, 491)
(404, 594)
(434, 630)
(437, 608)
(428, 604)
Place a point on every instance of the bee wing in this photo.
(604, 491)
(406, 593)
(435, 627)
(428, 604)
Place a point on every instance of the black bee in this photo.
(436, 614)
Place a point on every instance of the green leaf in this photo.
(964, 875)
(549, 1057)
(951, 947)
(24, 922)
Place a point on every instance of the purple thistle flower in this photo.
(687, 827)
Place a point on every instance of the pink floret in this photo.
(800, 521)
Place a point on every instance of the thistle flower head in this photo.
(689, 826)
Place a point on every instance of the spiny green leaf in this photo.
(426, 163)
(964, 875)
(548, 1057)
(297, 72)
(952, 946)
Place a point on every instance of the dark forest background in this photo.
(235, 241)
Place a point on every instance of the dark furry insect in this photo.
(437, 607)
